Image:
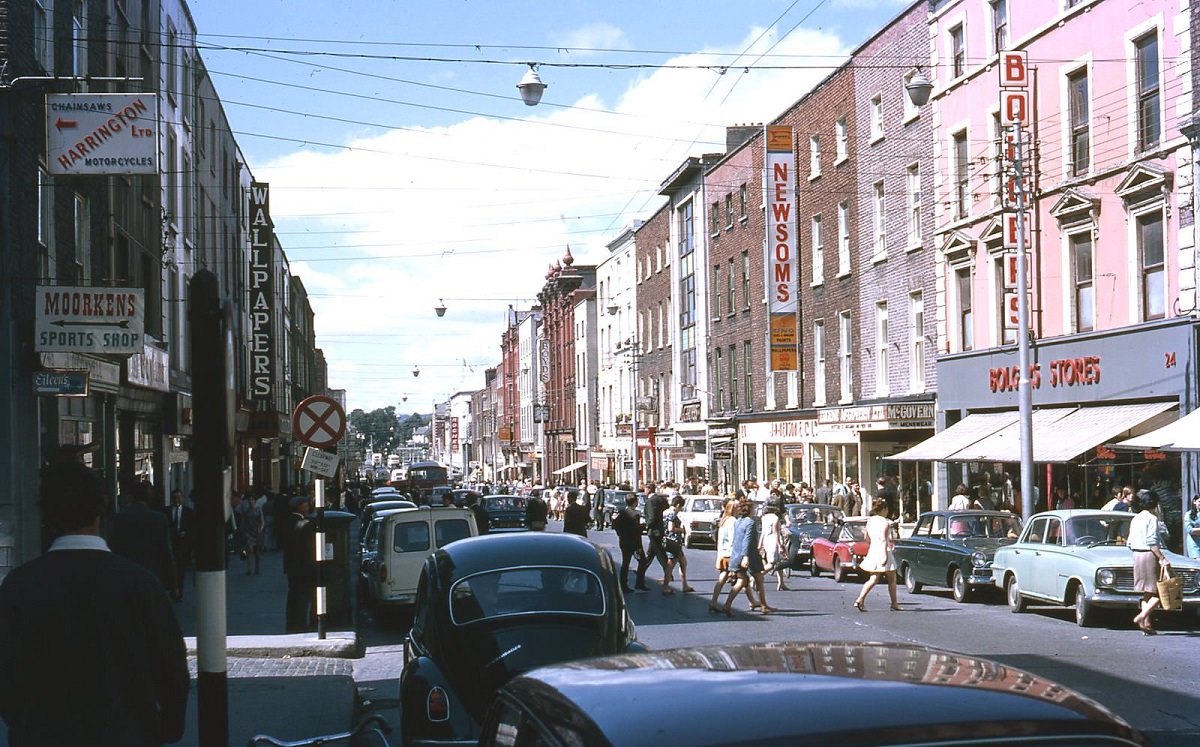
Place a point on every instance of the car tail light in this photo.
(383, 572)
(437, 705)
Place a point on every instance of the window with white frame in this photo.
(999, 14)
(729, 210)
(958, 51)
(47, 270)
(83, 239)
(170, 55)
(814, 156)
(881, 349)
(743, 199)
(879, 211)
(732, 290)
(1079, 118)
(1082, 280)
(916, 342)
(999, 154)
(911, 110)
(733, 377)
(912, 178)
(43, 34)
(964, 315)
(716, 290)
(747, 376)
(962, 174)
(845, 357)
(1149, 92)
(819, 362)
(79, 39)
(818, 251)
(714, 219)
(718, 365)
(1005, 333)
(843, 238)
(877, 117)
(1149, 229)
(746, 280)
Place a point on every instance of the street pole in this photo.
(319, 553)
(1024, 384)
(212, 451)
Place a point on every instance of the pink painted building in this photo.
(1110, 239)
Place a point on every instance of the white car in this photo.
(700, 516)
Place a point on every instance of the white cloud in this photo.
(593, 36)
(479, 209)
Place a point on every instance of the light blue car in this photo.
(1079, 558)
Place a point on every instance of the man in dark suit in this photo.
(90, 651)
(300, 565)
(182, 519)
(628, 526)
(144, 536)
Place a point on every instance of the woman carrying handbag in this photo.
(1147, 556)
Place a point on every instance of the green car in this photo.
(954, 549)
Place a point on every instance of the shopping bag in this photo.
(1170, 589)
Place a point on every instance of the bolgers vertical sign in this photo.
(262, 295)
(782, 270)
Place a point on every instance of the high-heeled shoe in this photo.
(768, 610)
(858, 605)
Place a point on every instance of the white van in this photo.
(405, 537)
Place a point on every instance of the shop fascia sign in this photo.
(106, 321)
(878, 417)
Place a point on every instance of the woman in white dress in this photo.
(878, 561)
(771, 542)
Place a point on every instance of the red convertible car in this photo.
(840, 551)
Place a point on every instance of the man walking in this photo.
(628, 527)
(144, 536)
(90, 651)
(182, 520)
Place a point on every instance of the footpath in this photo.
(290, 686)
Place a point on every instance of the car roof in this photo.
(967, 512)
(814, 692)
(490, 551)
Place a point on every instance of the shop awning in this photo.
(1060, 434)
(1181, 435)
(570, 468)
(964, 433)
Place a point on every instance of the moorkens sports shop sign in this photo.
(106, 321)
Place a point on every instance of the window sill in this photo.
(879, 257)
(817, 283)
(877, 139)
(841, 160)
(913, 248)
(843, 275)
(812, 177)
(910, 118)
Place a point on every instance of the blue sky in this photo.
(404, 168)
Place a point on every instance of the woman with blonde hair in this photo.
(878, 561)
(724, 549)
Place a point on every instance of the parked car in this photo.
(700, 517)
(371, 510)
(506, 513)
(814, 694)
(462, 495)
(841, 549)
(368, 561)
(385, 493)
(1078, 557)
(406, 538)
(954, 549)
(807, 521)
(495, 606)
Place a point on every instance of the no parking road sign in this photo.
(319, 422)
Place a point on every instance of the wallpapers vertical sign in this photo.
(262, 296)
(781, 266)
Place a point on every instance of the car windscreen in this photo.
(992, 527)
(1090, 530)
(526, 590)
(504, 503)
(815, 514)
(706, 504)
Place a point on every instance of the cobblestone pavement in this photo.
(288, 666)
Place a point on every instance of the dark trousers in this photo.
(301, 601)
(628, 553)
(183, 558)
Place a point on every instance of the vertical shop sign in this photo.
(262, 295)
(781, 247)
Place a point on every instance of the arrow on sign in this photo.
(66, 124)
(65, 323)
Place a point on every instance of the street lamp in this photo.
(919, 87)
(531, 86)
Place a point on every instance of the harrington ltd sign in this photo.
(102, 133)
(89, 320)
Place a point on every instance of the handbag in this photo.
(1170, 589)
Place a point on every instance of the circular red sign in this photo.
(319, 421)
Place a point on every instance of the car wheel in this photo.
(1016, 602)
(813, 568)
(958, 586)
(910, 580)
(1085, 613)
(839, 570)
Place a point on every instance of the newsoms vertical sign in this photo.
(262, 295)
(782, 280)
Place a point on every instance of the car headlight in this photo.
(1106, 577)
(979, 560)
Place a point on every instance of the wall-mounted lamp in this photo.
(416, 371)
(440, 309)
(918, 87)
(531, 86)
(612, 310)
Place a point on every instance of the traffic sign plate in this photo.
(319, 421)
